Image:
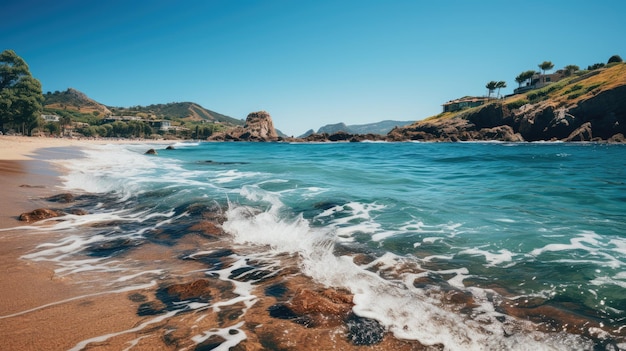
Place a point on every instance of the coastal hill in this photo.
(77, 103)
(588, 106)
(74, 100)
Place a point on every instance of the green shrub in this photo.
(516, 104)
(574, 95)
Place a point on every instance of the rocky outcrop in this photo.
(591, 107)
(599, 118)
(39, 214)
(258, 127)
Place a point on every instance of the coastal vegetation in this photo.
(20, 94)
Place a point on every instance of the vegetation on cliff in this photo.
(584, 106)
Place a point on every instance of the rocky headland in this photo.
(585, 107)
(589, 107)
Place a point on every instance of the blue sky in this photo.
(308, 63)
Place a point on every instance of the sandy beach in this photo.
(38, 310)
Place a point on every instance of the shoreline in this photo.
(38, 309)
(44, 309)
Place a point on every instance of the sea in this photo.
(454, 246)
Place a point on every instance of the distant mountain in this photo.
(381, 128)
(334, 128)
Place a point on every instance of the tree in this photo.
(491, 86)
(570, 69)
(524, 76)
(21, 98)
(520, 79)
(595, 66)
(501, 84)
(615, 58)
(546, 66)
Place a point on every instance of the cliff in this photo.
(258, 127)
(587, 107)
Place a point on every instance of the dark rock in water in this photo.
(196, 291)
(276, 290)
(78, 212)
(364, 331)
(111, 247)
(170, 147)
(39, 214)
(150, 308)
(151, 152)
(281, 311)
(62, 198)
(210, 344)
(137, 297)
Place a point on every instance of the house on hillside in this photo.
(464, 102)
(161, 124)
(540, 80)
(51, 118)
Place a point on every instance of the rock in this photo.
(364, 331)
(617, 138)
(258, 127)
(502, 133)
(78, 212)
(583, 133)
(61, 198)
(340, 136)
(170, 147)
(39, 214)
(198, 290)
(151, 152)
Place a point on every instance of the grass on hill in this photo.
(566, 92)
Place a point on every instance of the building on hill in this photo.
(51, 118)
(464, 102)
(540, 80)
(161, 124)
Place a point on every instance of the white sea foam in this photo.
(406, 311)
(493, 259)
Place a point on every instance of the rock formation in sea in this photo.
(258, 127)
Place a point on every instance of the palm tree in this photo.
(520, 79)
(546, 66)
(501, 84)
(491, 86)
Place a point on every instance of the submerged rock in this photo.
(364, 331)
(62, 198)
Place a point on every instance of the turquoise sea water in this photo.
(526, 225)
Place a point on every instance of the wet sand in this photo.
(39, 310)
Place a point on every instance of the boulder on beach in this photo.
(39, 214)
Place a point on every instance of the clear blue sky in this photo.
(308, 63)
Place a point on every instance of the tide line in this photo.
(122, 290)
